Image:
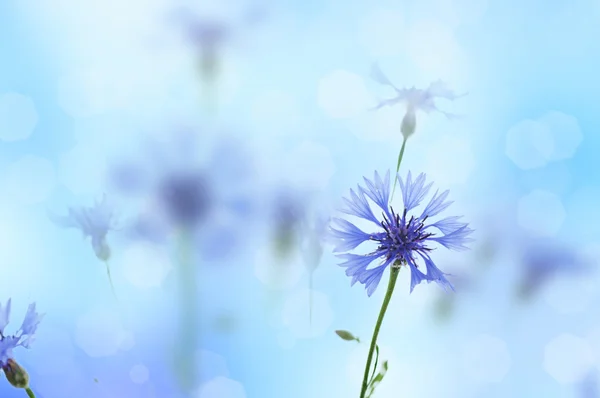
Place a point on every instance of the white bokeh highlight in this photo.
(382, 32)
(554, 136)
(296, 314)
(568, 358)
(486, 359)
(83, 169)
(139, 374)
(541, 212)
(99, 333)
(342, 94)
(570, 295)
(310, 166)
(278, 275)
(212, 365)
(222, 387)
(30, 179)
(145, 265)
(18, 117)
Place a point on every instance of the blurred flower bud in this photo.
(346, 335)
(15, 374)
(102, 250)
(409, 123)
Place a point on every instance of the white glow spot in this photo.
(529, 144)
(382, 32)
(541, 212)
(145, 265)
(342, 94)
(310, 166)
(99, 333)
(18, 117)
(275, 274)
(296, 314)
(565, 132)
(139, 374)
(222, 387)
(83, 169)
(486, 359)
(568, 358)
(31, 179)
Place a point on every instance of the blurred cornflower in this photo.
(210, 33)
(184, 188)
(544, 259)
(588, 387)
(94, 222)
(288, 218)
(315, 237)
(15, 374)
(415, 100)
(401, 242)
(200, 201)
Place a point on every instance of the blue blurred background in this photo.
(259, 112)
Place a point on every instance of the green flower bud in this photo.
(15, 374)
(409, 123)
(346, 335)
(102, 251)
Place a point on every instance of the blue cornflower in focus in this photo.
(16, 375)
(94, 222)
(402, 238)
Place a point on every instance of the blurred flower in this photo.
(183, 188)
(402, 238)
(15, 374)
(544, 259)
(288, 217)
(315, 238)
(588, 388)
(209, 33)
(414, 99)
(94, 222)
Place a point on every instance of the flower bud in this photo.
(102, 250)
(15, 374)
(409, 123)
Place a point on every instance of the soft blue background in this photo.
(518, 60)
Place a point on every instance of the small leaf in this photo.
(346, 335)
(377, 379)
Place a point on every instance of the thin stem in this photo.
(310, 297)
(188, 340)
(30, 393)
(386, 301)
(400, 156)
(112, 286)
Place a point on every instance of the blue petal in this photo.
(455, 240)
(436, 205)
(4, 315)
(348, 236)
(356, 264)
(379, 191)
(448, 225)
(31, 321)
(435, 274)
(413, 192)
(358, 206)
(371, 278)
(416, 276)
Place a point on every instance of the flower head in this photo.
(414, 99)
(94, 222)
(23, 337)
(402, 239)
(542, 260)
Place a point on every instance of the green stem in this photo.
(30, 393)
(394, 270)
(112, 286)
(400, 156)
(310, 297)
(188, 289)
